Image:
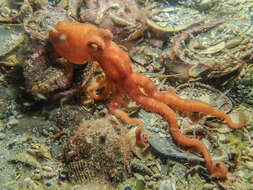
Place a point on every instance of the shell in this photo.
(199, 5)
(30, 184)
(12, 12)
(40, 150)
(139, 167)
(172, 19)
(26, 159)
(39, 24)
(205, 93)
(166, 147)
(11, 36)
(78, 172)
(121, 17)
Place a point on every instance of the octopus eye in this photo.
(94, 47)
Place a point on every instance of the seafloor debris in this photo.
(215, 50)
(99, 149)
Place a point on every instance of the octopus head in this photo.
(79, 42)
(99, 40)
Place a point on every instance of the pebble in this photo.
(1, 125)
(12, 121)
(148, 128)
(151, 184)
(52, 129)
(47, 168)
(249, 165)
(2, 136)
(19, 116)
(157, 176)
(34, 130)
(167, 185)
(163, 131)
(63, 175)
(156, 130)
(45, 133)
(162, 135)
(208, 186)
(139, 167)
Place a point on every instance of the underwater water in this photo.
(126, 94)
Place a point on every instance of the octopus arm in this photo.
(217, 168)
(181, 104)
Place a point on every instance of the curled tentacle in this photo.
(105, 94)
(219, 169)
(141, 138)
(114, 106)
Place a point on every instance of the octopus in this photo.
(80, 43)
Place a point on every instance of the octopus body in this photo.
(80, 43)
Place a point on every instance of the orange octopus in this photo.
(79, 43)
